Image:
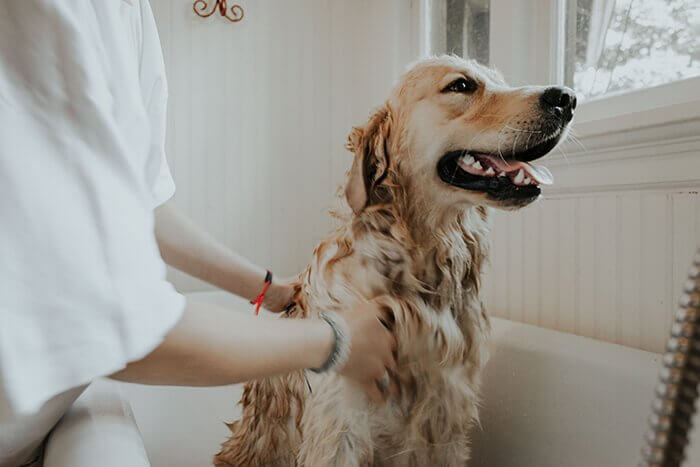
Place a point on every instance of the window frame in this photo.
(539, 25)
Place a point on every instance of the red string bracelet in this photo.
(261, 298)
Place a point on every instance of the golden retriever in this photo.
(452, 140)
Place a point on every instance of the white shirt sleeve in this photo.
(82, 123)
(154, 89)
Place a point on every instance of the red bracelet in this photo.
(261, 298)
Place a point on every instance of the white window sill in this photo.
(614, 127)
(647, 139)
(652, 107)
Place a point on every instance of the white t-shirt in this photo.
(82, 166)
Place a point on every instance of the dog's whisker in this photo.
(576, 140)
(400, 453)
(481, 132)
(520, 130)
(563, 154)
(454, 173)
(430, 445)
(498, 144)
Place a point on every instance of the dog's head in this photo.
(454, 133)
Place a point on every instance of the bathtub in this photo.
(550, 400)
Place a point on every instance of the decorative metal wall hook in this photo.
(233, 14)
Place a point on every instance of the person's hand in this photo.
(372, 361)
(280, 294)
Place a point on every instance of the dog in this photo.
(451, 142)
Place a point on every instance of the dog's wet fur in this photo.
(415, 243)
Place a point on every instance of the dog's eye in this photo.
(463, 85)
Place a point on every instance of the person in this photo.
(85, 231)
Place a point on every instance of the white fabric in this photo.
(601, 14)
(82, 166)
(100, 425)
(21, 437)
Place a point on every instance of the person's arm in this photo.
(211, 346)
(188, 248)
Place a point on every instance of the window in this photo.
(460, 27)
(598, 47)
(621, 45)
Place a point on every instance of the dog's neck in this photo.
(447, 248)
(455, 250)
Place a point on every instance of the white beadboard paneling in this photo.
(608, 265)
(259, 112)
(606, 273)
(615, 235)
(655, 305)
(547, 315)
(530, 258)
(628, 272)
(514, 282)
(586, 266)
(684, 238)
(568, 237)
(258, 115)
(496, 275)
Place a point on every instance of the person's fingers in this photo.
(280, 296)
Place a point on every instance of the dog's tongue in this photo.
(539, 173)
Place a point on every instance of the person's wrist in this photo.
(323, 338)
(273, 292)
(340, 351)
(280, 295)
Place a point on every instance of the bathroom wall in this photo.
(606, 251)
(259, 112)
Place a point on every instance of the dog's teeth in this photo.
(502, 174)
(477, 165)
(519, 177)
(490, 171)
(468, 159)
(527, 181)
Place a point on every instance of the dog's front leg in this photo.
(336, 426)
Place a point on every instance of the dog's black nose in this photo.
(559, 99)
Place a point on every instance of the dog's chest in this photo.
(441, 343)
(430, 328)
(341, 275)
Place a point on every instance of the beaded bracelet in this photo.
(341, 343)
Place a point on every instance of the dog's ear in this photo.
(371, 163)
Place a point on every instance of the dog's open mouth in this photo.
(498, 177)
